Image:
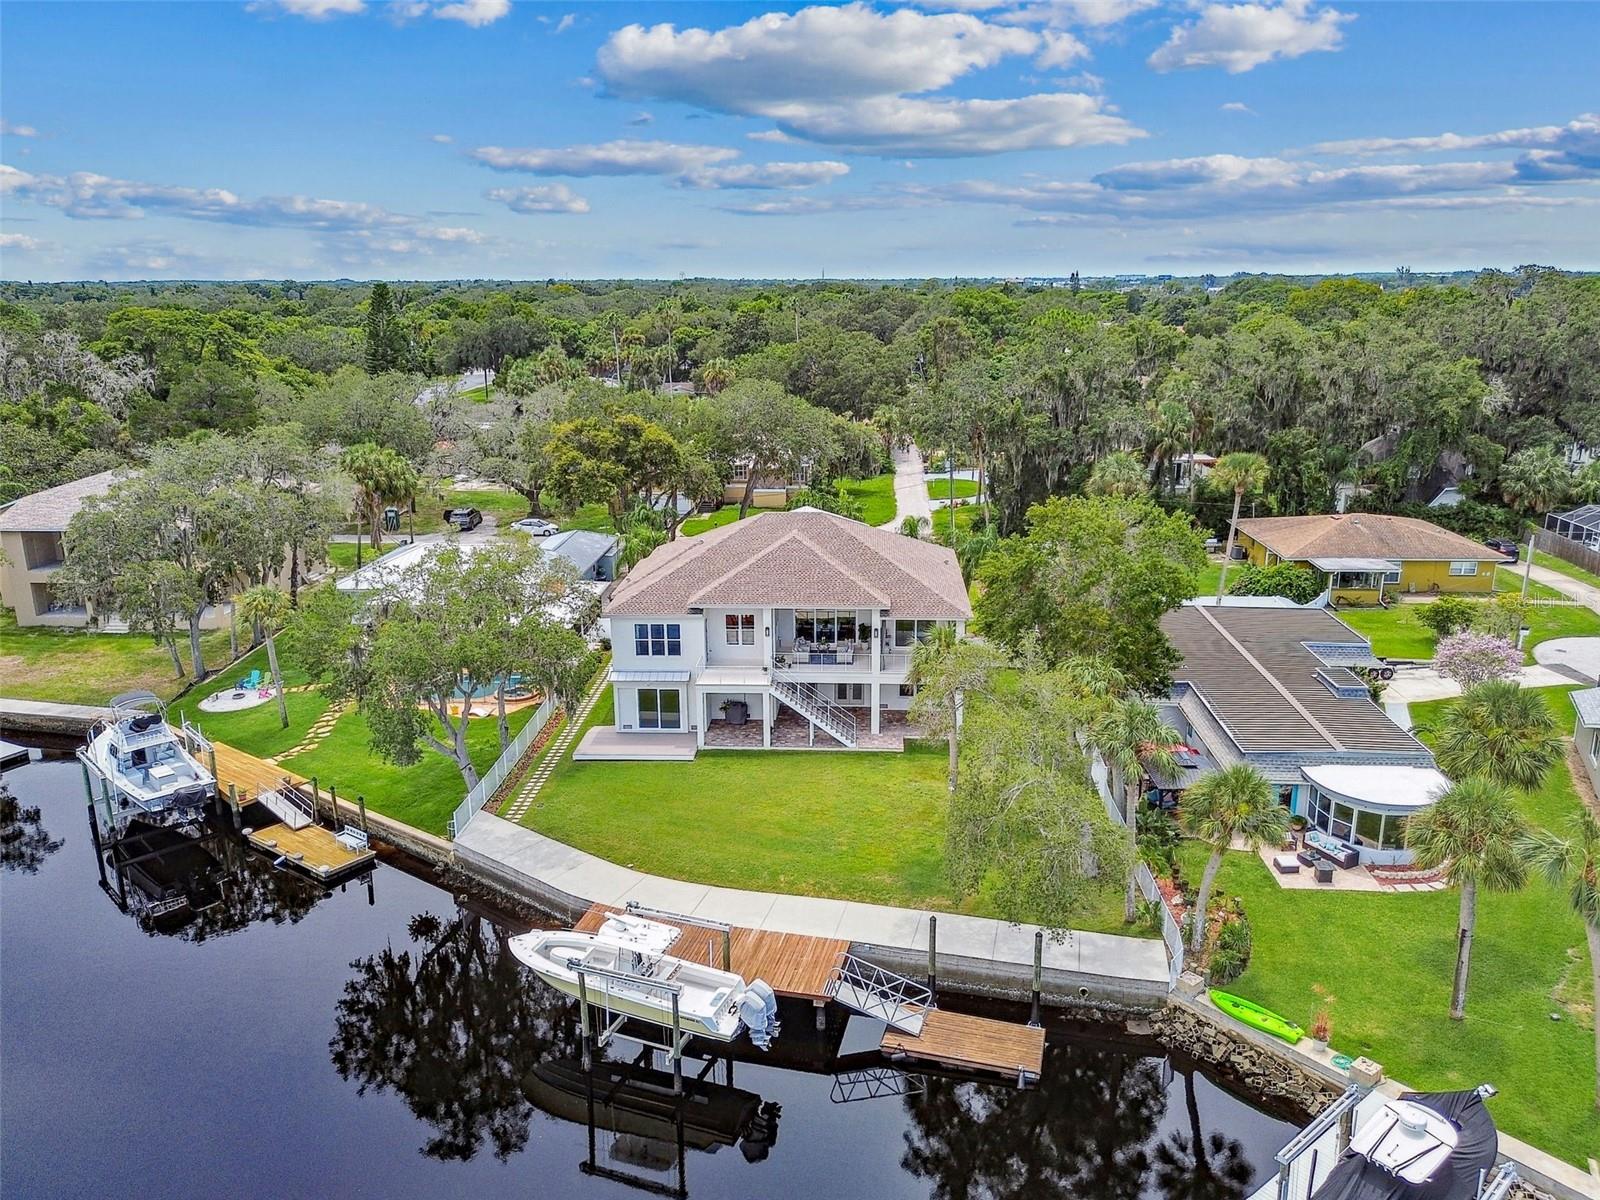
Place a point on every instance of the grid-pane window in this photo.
(657, 640)
(909, 633)
(824, 626)
(740, 629)
(1463, 568)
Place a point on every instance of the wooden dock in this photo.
(792, 964)
(312, 849)
(241, 778)
(972, 1044)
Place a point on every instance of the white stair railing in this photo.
(896, 1000)
(817, 708)
(289, 807)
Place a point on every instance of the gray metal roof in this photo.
(580, 547)
(1587, 702)
(1252, 670)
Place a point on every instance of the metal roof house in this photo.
(592, 555)
(788, 629)
(1276, 688)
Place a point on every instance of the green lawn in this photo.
(700, 522)
(1397, 633)
(596, 518)
(967, 517)
(876, 496)
(857, 826)
(1387, 960)
(423, 794)
(1541, 559)
(939, 489)
(72, 666)
(1509, 579)
(504, 504)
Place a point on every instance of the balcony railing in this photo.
(801, 656)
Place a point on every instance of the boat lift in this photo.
(599, 1040)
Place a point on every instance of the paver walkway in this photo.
(910, 488)
(510, 851)
(540, 775)
(320, 729)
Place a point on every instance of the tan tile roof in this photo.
(795, 559)
(1362, 535)
(52, 509)
(1240, 669)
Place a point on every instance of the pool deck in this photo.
(976, 954)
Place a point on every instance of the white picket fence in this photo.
(1144, 879)
(490, 782)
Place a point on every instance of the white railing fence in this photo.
(490, 781)
(1144, 879)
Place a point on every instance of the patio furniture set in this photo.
(1318, 853)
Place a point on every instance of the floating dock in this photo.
(243, 779)
(971, 1043)
(11, 754)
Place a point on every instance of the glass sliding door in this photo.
(660, 708)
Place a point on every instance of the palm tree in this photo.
(1233, 804)
(1243, 473)
(1131, 736)
(268, 607)
(1117, 474)
(946, 672)
(1475, 829)
(1500, 731)
(381, 477)
(1575, 864)
(1535, 480)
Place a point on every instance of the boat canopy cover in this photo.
(1354, 1178)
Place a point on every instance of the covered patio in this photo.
(791, 731)
(1359, 577)
(1365, 807)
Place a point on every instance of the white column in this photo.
(766, 720)
(705, 717)
(769, 633)
(875, 716)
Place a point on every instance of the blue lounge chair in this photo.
(251, 681)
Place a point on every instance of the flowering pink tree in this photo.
(1472, 658)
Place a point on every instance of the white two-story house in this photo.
(788, 629)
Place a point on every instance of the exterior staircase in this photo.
(897, 1001)
(288, 807)
(833, 719)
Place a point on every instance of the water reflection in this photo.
(24, 842)
(1196, 1165)
(453, 1026)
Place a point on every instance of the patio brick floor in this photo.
(789, 732)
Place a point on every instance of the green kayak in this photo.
(1257, 1017)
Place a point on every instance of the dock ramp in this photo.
(899, 1002)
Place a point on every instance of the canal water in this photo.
(285, 1041)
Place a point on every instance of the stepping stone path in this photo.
(534, 783)
(320, 729)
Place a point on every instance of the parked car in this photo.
(537, 526)
(463, 518)
(1505, 546)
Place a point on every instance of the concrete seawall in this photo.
(46, 717)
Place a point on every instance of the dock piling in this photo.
(933, 953)
(583, 1021)
(1038, 975)
(361, 804)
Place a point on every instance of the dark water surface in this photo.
(375, 1042)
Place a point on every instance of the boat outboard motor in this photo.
(762, 1134)
(758, 1009)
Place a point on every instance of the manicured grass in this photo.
(596, 518)
(341, 556)
(255, 730)
(1509, 579)
(856, 826)
(939, 489)
(876, 496)
(72, 666)
(1386, 959)
(1396, 632)
(1541, 559)
(966, 518)
(699, 523)
(423, 794)
(1207, 584)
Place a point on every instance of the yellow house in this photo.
(1365, 556)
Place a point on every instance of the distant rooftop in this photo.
(52, 510)
(1362, 535)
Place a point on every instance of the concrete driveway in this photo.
(1577, 655)
(910, 488)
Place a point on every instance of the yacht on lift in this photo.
(137, 766)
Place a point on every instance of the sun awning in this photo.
(1353, 564)
(1398, 790)
(626, 676)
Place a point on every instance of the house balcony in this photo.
(802, 656)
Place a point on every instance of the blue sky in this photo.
(485, 138)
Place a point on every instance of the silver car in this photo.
(536, 526)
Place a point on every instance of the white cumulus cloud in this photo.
(1581, 131)
(550, 198)
(1240, 37)
(27, 131)
(859, 79)
(311, 10)
(625, 156)
(777, 175)
(476, 13)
